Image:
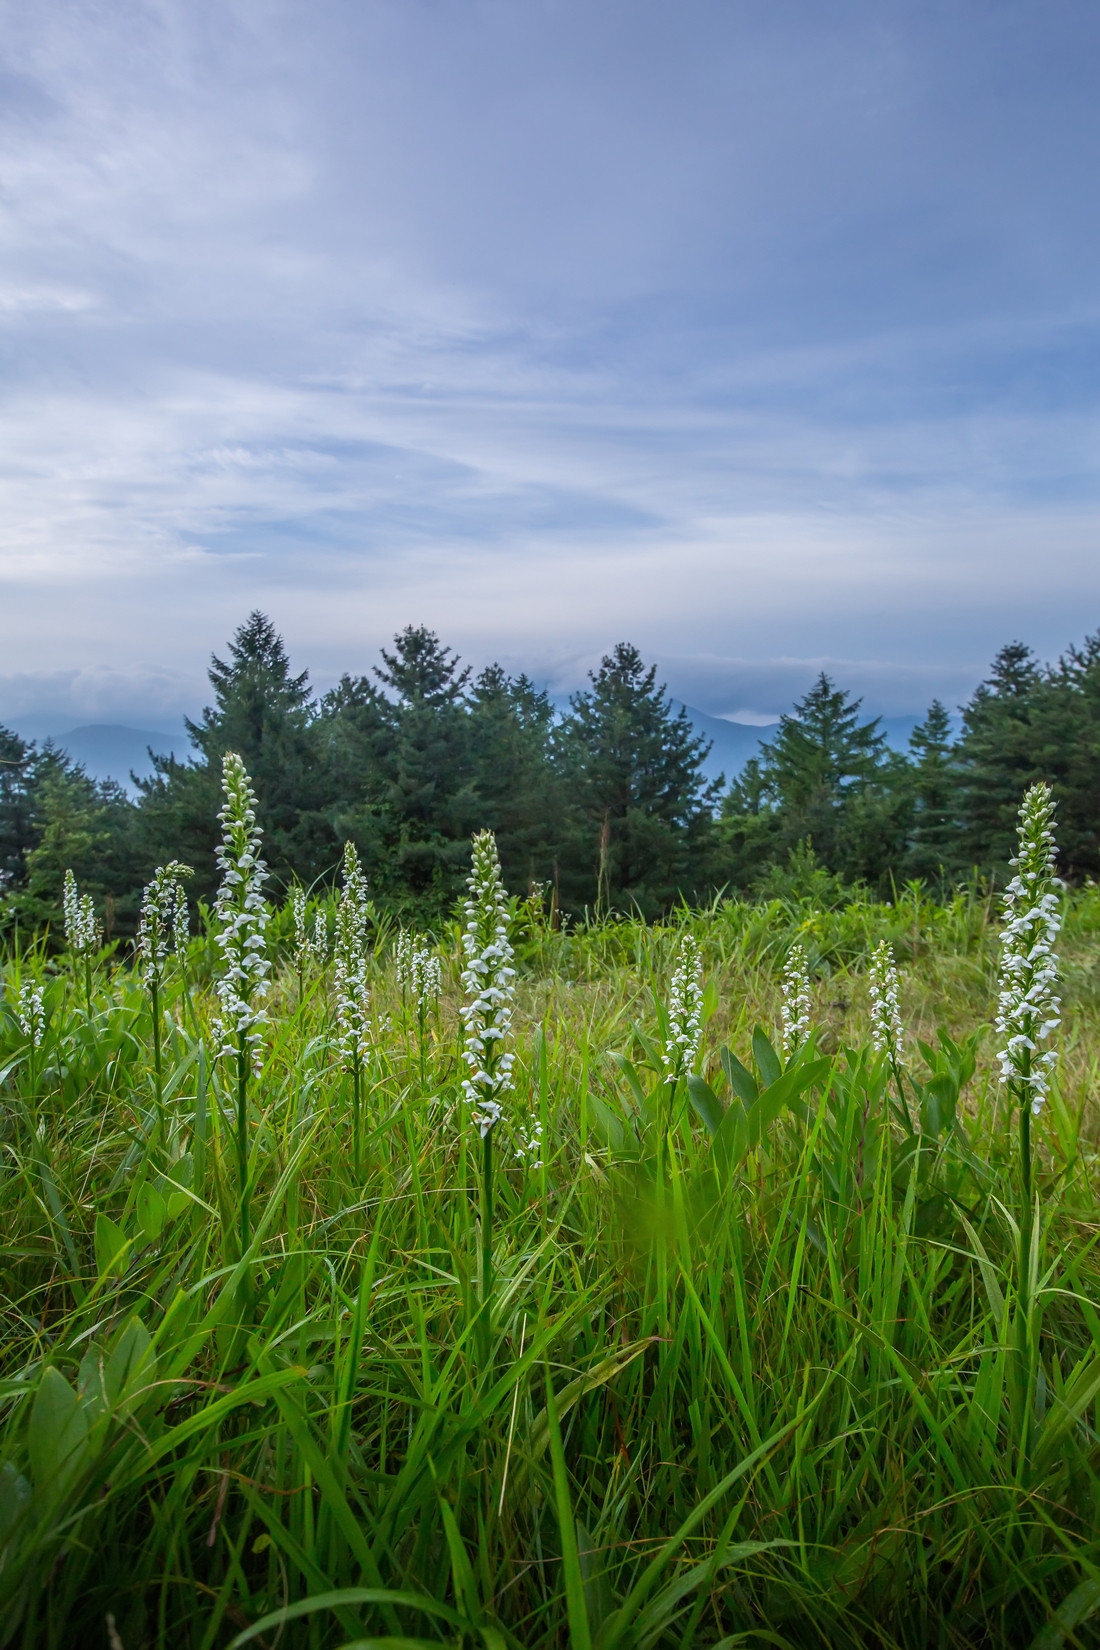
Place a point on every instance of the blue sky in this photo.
(763, 335)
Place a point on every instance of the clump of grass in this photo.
(756, 1370)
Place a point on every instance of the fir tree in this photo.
(998, 755)
(265, 714)
(933, 849)
(641, 828)
(429, 798)
(828, 779)
(518, 790)
(18, 832)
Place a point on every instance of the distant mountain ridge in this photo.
(109, 750)
(733, 743)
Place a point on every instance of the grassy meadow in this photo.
(757, 1364)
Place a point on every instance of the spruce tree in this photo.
(933, 849)
(264, 713)
(429, 798)
(18, 833)
(1067, 722)
(999, 756)
(518, 789)
(828, 780)
(640, 832)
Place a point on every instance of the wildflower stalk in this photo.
(427, 984)
(489, 984)
(82, 931)
(685, 1030)
(309, 949)
(241, 912)
(31, 1013)
(1028, 1008)
(796, 1000)
(352, 987)
(162, 926)
(887, 1030)
(403, 959)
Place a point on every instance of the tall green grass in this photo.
(777, 1398)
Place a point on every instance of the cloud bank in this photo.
(765, 337)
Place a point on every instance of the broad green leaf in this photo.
(768, 1063)
(111, 1245)
(706, 1102)
(731, 1141)
(58, 1430)
(739, 1077)
(152, 1212)
(129, 1361)
(395, 1641)
(939, 1097)
(633, 1082)
(740, 1132)
(176, 1204)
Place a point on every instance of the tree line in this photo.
(605, 807)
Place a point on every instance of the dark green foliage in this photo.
(1024, 724)
(827, 779)
(607, 804)
(933, 848)
(428, 794)
(520, 790)
(53, 818)
(640, 817)
(17, 813)
(999, 753)
(267, 715)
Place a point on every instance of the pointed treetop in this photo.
(420, 670)
(258, 658)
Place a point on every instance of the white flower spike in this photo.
(886, 1026)
(489, 983)
(685, 1011)
(30, 1012)
(81, 928)
(242, 914)
(796, 999)
(1028, 1009)
(352, 986)
(163, 923)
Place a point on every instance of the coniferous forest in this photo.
(605, 806)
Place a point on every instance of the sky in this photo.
(764, 334)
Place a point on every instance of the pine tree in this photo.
(933, 849)
(823, 752)
(517, 787)
(1067, 723)
(266, 715)
(998, 755)
(17, 814)
(428, 794)
(641, 831)
(827, 779)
